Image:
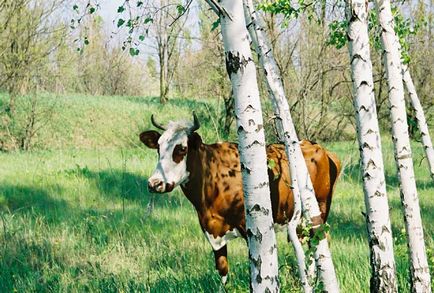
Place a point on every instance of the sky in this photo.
(108, 11)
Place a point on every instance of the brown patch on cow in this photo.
(179, 153)
(226, 185)
(215, 185)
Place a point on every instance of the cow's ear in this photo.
(194, 141)
(150, 138)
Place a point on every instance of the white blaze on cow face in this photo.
(171, 169)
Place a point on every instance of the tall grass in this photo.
(77, 218)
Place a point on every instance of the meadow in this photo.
(76, 216)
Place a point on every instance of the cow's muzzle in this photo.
(158, 186)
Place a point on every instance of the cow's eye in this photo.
(179, 152)
(180, 149)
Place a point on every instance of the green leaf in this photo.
(92, 10)
(215, 24)
(121, 9)
(134, 51)
(271, 164)
(180, 8)
(120, 22)
(148, 20)
(142, 38)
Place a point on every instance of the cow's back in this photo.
(323, 167)
(221, 208)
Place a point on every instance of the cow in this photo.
(210, 177)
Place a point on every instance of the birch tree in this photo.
(420, 116)
(298, 169)
(420, 277)
(382, 261)
(242, 72)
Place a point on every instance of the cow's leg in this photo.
(221, 263)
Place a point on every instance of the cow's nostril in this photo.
(155, 185)
(170, 186)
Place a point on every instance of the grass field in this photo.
(75, 214)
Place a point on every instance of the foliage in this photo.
(403, 29)
(290, 9)
(338, 33)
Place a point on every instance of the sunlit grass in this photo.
(82, 220)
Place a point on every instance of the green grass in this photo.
(80, 218)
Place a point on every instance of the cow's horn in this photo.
(156, 124)
(196, 123)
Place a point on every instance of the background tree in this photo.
(420, 277)
(259, 222)
(298, 168)
(383, 277)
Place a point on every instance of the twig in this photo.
(180, 15)
(218, 9)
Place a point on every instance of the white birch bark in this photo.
(382, 261)
(298, 169)
(420, 116)
(420, 277)
(259, 222)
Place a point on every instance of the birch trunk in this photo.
(300, 176)
(382, 261)
(420, 277)
(420, 116)
(259, 222)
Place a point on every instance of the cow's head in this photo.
(172, 146)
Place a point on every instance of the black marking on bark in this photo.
(249, 107)
(261, 185)
(371, 163)
(366, 145)
(385, 229)
(405, 156)
(378, 193)
(260, 126)
(244, 168)
(240, 129)
(257, 236)
(256, 262)
(251, 122)
(235, 62)
(353, 16)
(258, 208)
(367, 176)
(253, 144)
(272, 248)
(364, 82)
(357, 56)
(366, 109)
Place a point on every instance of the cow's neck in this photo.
(193, 189)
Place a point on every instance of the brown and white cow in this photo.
(210, 177)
